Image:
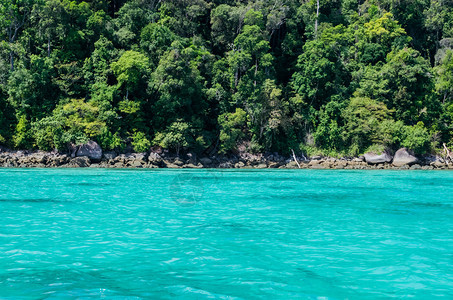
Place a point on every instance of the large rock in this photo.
(404, 157)
(373, 158)
(79, 162)
(91, 150)
(109, 155)
(192, 158)
(141, 156)
(205, 161)
(292, 165)
(178, 162)
(154, 157)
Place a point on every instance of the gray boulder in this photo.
(205, 161)
(225, 165)
(372, 158)
(358, 159)
(109, 155)
(154, 157)
(91, 150)
(140, 156)
(404, 157)
(79, 162)
(178, 162)
(438, 163)
(192, 158)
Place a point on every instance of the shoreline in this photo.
(110, 160)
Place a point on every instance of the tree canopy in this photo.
(331, 77)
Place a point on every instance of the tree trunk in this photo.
(48, 47)
(11, 59)
(256, 71)
(317, 15)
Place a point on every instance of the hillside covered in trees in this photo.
(338, 77)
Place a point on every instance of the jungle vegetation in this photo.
(338, 77)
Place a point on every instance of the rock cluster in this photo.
(90, 155)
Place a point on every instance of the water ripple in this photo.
(252, 234)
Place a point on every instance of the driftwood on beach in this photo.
(295, 158)
(448, 155)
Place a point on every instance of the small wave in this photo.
(35, 200)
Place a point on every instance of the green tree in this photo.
(140, 142)
(155, 40)
(417, 138)
(250, 61)
(131, 70)
(13, 16)
(75, 121)
(444, 78)
(363, 118)
(176, 137)
(22, 138)
(31, 91)
(232, 129)
(410, 86)
(132, 17)
(321, 73)
(179, 87)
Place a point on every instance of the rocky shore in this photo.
(90, 155)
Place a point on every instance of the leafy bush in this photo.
(140, 142)
(329, 134)
(364, 118)
(76, 122)
(417, 138)
(232, 127)
(21, 136)
(175, 137)
(109, 141)
(391, 133)
(46, 133)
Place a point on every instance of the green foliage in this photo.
(130, 69)
(417, 138)
(321, 73)
(409, 85)
(376, 148)
(444, 82)
(334, 77)
(232, 129)
(176, 137)
(31, 91)
(7, 118)
(329, 132)
(155, 40)
(76, 121)
(21, 138)
(48, 134)
(363, 120)
(140, 142)
(179, 86)
(109, 141)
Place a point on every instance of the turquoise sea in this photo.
(221, 234)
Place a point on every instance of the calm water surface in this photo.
(205, 234)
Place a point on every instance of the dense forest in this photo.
(334, 77)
